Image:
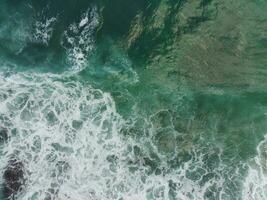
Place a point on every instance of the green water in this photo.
(144, 99)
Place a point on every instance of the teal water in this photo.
(144, 99)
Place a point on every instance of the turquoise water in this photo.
(144, 99)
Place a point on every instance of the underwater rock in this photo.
(13, 178)
(3, 134)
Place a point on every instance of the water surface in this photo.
(144, 99)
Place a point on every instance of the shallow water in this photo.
(123, 99)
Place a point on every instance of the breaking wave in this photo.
(68, 137)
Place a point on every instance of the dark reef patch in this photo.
(13, 178)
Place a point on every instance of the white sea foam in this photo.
(255, 185)
(79, 39)
(43, 30)
(59, 126)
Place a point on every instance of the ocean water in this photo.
(126, 100)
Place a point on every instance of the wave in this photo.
(68, 137)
